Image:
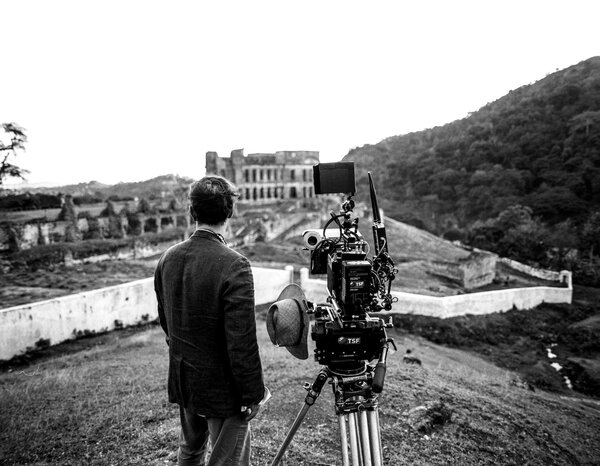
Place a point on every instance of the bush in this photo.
(586, 272)
(28, 201)
(543, 376)
(39, 256)
(86, 199)
(94, 229)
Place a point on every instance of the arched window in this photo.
(293, 193)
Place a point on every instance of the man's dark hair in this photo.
(211, 199)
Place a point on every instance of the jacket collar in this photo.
(209, 234)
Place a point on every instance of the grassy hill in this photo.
(103, 401)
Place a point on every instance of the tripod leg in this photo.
(314, 391)
(376, 453)
(353, 428)
(365, 441)
(290, 434)
(344, 438)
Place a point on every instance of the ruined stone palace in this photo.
(263, 177)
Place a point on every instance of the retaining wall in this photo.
(53, 321)
(26, 327)
(485, 302)
(532, 271)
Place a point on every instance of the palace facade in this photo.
(264, 177)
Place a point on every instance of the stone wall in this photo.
(534, 272)
(474, 271)
(16, 237)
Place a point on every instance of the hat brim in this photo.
(295, 293)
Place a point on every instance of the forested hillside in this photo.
(530, 160)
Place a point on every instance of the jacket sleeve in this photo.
(158, 290)
(240, 332)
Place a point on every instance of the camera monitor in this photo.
(332, 178)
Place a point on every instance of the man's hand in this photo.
(251, 411)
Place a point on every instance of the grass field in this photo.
(102, 401)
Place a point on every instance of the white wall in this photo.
(450, 306)
(64, 318)
(534, 272)
(268, 283)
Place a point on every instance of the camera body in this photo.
(344, 333)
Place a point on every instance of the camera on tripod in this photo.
(344, 333)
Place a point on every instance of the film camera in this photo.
(344, 332)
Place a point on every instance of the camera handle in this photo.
(381, 365)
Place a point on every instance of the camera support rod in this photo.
(379, 236)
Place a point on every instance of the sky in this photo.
(127, 90)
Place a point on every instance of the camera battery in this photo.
(356, 281)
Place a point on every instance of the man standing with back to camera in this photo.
(205, 295)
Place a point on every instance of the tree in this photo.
(18, 138)
(590, 235)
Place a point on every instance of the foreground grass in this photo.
(106, 405)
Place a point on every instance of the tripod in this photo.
(356, 407)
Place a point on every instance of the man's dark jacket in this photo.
(205, 295)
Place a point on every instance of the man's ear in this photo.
(232, 210)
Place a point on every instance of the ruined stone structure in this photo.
(27, 235)
(263, 178)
